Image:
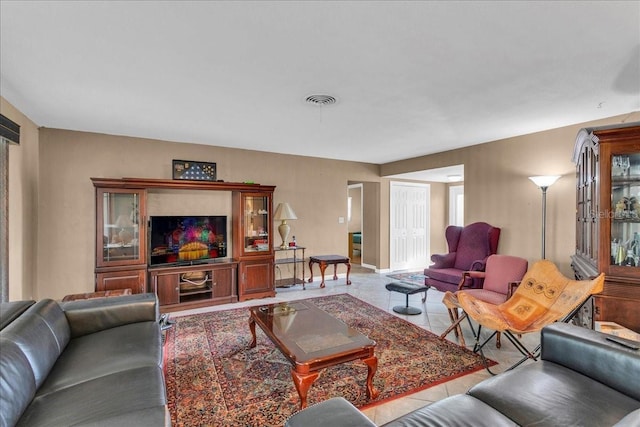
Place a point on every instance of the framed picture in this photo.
(194, 171)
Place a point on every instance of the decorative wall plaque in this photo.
(194, 171)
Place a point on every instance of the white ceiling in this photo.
(411, 78)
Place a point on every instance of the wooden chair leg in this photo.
(459, 329)
(453, 316)
(455, 326)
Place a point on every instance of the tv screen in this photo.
(187, 239)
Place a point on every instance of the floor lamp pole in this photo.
(544, 219)
(543, 182)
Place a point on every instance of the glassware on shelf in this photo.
(622, 163)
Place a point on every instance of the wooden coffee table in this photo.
(312, 340)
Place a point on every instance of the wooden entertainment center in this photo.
(122, 253)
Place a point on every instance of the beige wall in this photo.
(497, 189)
(315, 188)
(23, 205)
(52, 206)
(374, 245)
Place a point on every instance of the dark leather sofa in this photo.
(80, 363)
(582, 379)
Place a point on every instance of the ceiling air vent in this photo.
(320, 99)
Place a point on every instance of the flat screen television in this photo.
(187, 239)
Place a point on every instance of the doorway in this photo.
(409, 230)
(354, 222)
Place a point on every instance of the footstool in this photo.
(407, 289)
(324, 260)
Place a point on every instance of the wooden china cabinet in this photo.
(121, 255)
(253, 245)
(608, 220)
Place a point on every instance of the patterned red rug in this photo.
(215, 379)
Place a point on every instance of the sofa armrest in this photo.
(479, 265)
(93, 315)
(472, 275)
(591, 354)
(335, 412)
(443, 260)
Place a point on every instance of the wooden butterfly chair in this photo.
(544, 296)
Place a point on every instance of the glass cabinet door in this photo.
(120, 227)
(256, 224)
(625, 208)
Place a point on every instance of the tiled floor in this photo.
(369, 287)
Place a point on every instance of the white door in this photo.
(409, 217)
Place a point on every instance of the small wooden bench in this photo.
(324, 261)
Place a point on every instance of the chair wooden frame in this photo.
(545, 296)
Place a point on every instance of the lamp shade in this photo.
(284, 212)
(544, 181)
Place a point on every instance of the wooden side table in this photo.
(324, 261)
(296, 279)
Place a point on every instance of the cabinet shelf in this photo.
(628, 180)
(287, 283)
(206, 290)
(288, 260)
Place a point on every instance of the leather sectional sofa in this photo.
(79, 363)
(582, 379)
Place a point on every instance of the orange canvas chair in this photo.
(544, 296)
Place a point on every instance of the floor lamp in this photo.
(543, 182)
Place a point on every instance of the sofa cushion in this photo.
(156, 416)
(448, 275)
(474, 245)
(42, 333)
(93, 315)
(132, 391)
(129, 346)
(544, 393)
(17, 383)
(461, 410)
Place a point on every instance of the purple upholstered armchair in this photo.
(469, 248)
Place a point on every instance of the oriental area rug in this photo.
(214, 379)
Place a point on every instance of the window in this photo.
(456, 205)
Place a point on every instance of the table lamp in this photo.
(284, 213)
